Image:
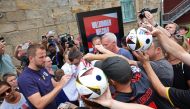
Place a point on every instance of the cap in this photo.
(116, 68)
(51, 44)
(50, 33)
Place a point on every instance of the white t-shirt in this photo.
(67, 68)
(70, 88)
(22, 104)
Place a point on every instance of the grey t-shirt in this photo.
(125, 53)
(163, 70)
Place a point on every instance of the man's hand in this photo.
(103, 50)
(2, 47)
(141, 56)
(105, 99)
(89, 56)
(100, 48)
(156, 32)
(150, 18)
(64, 80)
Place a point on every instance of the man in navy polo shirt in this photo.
(35, 82)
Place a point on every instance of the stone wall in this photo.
(24, 20)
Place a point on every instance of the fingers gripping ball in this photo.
(139, 40)
(91, 82)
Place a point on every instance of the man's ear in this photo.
(30, 58)
(158, 50)
(111, 82)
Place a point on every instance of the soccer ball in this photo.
(139, 40)
(91, 82)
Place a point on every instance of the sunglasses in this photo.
(4, 93)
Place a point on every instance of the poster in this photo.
(99, 22)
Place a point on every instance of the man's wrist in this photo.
(111, 104)
(145, 63)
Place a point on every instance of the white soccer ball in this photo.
(91, 82)
(139, 40)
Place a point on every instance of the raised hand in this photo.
(100, 48)
(89, 57)
(105, 99)
(64, 80)
(150, 18)
(141, 56)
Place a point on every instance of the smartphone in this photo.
(154, 10)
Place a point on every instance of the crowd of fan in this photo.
(157, 78)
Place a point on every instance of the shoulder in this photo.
(125, 53)
(179, 98)
(5, 57)
(163, 63)
(26, 78)
(4, 105)
(26, 73)
(139, 75)
(23, 99)
(122, 50)
(65, 66)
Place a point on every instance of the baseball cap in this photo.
(116, 68)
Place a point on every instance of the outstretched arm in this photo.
(163, 36)
(158, 86)
(172, 47)
(106, 54)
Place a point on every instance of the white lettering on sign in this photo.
(101, 31)
(102, 26)
(102, 23)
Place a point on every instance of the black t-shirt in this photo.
(181, 76)
(179, 98)
(57, 59)
(142, 93)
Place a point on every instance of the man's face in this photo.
(182, 32)
(7, 93)
(151, 51)
(39, 59)
(52, 49)
(48, 62)
(12, 80)
(96, 42)
(76, 61)
(108, 44)
(170, 28)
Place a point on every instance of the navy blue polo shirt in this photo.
(31, 82)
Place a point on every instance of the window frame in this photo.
(126, 20)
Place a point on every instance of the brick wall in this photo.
(25, 20)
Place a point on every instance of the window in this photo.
(128, 10)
